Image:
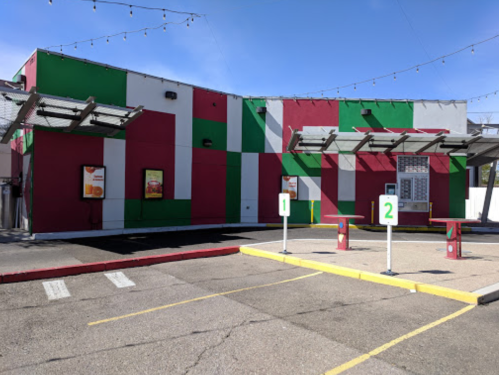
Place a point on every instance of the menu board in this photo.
(94, 182)
(153, 184)
(290, 186)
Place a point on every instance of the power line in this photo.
(394, 74)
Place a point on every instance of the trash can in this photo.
(7, 207)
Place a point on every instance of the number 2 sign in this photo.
(388, 209)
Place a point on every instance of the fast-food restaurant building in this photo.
(220, 158)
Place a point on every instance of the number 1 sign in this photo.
(388, 209)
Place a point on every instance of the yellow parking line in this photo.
(200, 299)
(365, 357)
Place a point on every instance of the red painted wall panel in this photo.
(153, 127)
(329, 187)
(209, 174)
(300, 113)
(209, 105)
(143, 155)
(57, 182)
(269, 187)
(30, 72)
(373, 170)
(439, 185)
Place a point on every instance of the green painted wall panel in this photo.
(157, 213)
(347, 208)
(301, 212)
(253, 126)
(28, 142)
(384, 114)
(79, 80)
(457, 186)
(301, 165)
(233, 188)
(206, 129)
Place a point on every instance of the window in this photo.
(413, 177)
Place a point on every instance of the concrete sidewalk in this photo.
(421, 262)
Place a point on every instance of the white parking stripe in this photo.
(120, 280)
(56, 289)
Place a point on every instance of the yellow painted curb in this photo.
(370, 227)
(458, 295)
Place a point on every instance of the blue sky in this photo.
(278, 47)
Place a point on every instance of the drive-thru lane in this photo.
(237, 314)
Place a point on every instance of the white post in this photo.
(284, 244)
(389, 252)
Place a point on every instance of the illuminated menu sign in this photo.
(153, 184)
(290, 186)
(94, 182)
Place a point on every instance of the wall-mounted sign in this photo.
(153, 184)
(94, 182)
(290, 186)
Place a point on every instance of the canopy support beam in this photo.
(293, 141)
(471, 141)
(137, 112)
(23, 112)
(440, 138)
(402, 139)
(330, 140)
(86, 111)
(488, 193)
(367, 138)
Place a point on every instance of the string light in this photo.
(441, 58)
(92, 44)
(355, 87)
(164, 15)
(124, 33)
(187, 24)
(95, 8)
(50, 2)
(374, 82)
(75, 47)
(131, 13)
(472, 50)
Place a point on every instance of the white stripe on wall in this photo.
(234, 123)
(56, 289)
(440, 115)
(346, 177)
(309, 188)
(273, 126)
(249, 188)
(113, 207)
(183, 172)
(119, 279)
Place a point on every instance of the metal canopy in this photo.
(480, 149)
(21, 109)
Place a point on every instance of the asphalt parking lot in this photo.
(238, 315)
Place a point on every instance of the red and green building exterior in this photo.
(234, 181)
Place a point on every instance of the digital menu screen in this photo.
(290, 186)
(153, 184)
(94, 182)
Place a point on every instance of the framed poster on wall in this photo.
(94, 182)
(290, 185)
(153, 184)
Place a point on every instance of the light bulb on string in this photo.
(75, 47)
(338, 91)
(164, 29)
(486, 97)
(107, 40)
(131, 13)
(187, 23)
(472, 100)
(124, 38)
(478, 98)
(145, 33)
(417, 69)
(92, 44)
(374, 82)
(495, 94)
(61, 49)
(164, 15)
(95, 8)
(354, 87)
(472, 50)
(192, 19)
(443, 62)
(50, 2)
(394, 77)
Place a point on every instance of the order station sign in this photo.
(389, 215)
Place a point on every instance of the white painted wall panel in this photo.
(113, 213)
(273, 126)
(249, 176)
(309, 188)
(234, 123)
(249, 188)
(114, 161)
(249, 211)
(474, 205)
(183, 172)
(150, 92)
(346, 177)
(5, 160)
(440, 115)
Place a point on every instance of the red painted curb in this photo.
(47, 273)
